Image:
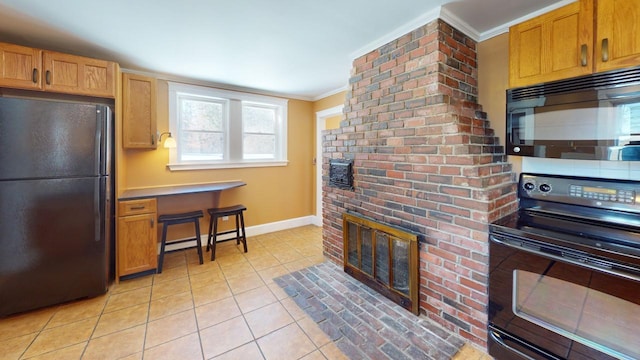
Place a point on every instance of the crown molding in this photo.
(398, 32)
(329, 93)
(460, 25)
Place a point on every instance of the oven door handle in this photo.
(498, 339)
(502, 338)
(565, 255)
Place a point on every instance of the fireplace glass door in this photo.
(383, 257)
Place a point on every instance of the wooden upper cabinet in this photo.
(552, 46)
(575, 40)
(618, 42)
(139, 112)
(20, 67)
(34, 69)
(79, 75)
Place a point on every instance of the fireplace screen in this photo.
(383, 257)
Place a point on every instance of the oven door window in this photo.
(593, 318)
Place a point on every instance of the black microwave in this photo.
(594, 117)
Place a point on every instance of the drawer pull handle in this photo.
(605, 49)
(47, 77)
(152, 222)
(34, 76)
(137, 207)
(583, 56)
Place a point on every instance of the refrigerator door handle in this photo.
(99, 205)
(103, 145)
(99, 151)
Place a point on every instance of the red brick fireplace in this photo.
(426, 160)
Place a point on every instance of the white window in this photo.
(221, 129)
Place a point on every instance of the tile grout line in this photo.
(193, 308)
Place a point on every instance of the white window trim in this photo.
(281, 150)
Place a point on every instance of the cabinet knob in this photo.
(583, 55)
(34, 76)
(153, 139)
(47, 77)
(152, 222)
(605, 49)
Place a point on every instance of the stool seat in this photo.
(227, 211)
(240, 235)
(180, 218)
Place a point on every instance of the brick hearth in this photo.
(363, 323)
(424, 159)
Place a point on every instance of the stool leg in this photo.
(244, 235)
(162, 243)
(198, 241)
(211, 218)
(237, 230)
(214, 238)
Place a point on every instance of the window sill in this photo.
(236, 165)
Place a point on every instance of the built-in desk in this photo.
(138, 209)
(154, 192)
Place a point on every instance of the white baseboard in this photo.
(251, 231)
(279, 225)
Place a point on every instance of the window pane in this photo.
(259, 146)
(201, 115)
(225, 128)
(256, 119)
(196, 146)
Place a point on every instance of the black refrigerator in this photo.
(56, 208)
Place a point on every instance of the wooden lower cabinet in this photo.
(136, 245)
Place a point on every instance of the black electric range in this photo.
(572, 246)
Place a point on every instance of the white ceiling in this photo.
(298, 48)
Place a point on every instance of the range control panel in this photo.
(604, 194)
(593, 192)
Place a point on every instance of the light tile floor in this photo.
(226, 309)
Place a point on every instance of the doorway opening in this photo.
(321, 125)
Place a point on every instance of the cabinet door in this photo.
(78, 75)
(618, 43)
(20, 66)
(136, 246)
(552, 46)
(139, 111)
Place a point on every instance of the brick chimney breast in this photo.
(424, 159)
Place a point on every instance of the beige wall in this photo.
(493, 81)
(272, 193)
(329, 101)
(333, 122)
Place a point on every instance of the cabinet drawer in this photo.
(135, 207)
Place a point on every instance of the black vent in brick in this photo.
(590, 82)
(341, 173)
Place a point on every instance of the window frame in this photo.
(234, 130)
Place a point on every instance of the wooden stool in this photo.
(174, 219)
(216, 213)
